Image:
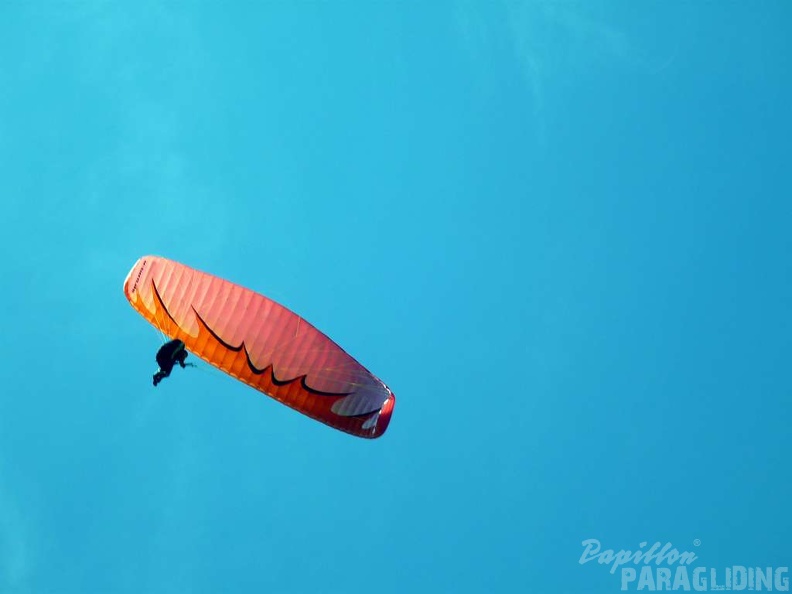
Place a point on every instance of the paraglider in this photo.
(261, 343)
(168, 355)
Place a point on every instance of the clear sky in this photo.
(559, 231)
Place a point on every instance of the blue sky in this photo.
(559, 231)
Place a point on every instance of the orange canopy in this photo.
(261, 343)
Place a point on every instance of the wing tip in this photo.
(134, 275)
(385, 415)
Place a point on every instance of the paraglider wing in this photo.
(261, 343)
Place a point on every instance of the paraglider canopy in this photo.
(261, 343)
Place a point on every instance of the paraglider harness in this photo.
(168, 355)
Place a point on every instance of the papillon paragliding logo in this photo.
(663, 567)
